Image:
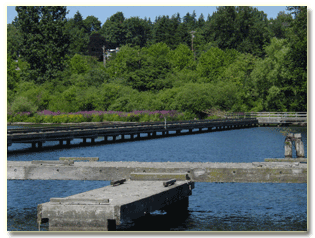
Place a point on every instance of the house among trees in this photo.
(95, 46)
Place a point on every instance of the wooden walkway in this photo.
(121, 131)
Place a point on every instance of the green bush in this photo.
(22, 104)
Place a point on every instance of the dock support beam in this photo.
(39, 145)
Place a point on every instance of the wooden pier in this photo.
(121, 131)
(138, 188)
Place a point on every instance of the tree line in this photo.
(234, 60)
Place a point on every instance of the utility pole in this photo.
(192, 43)
(104, 56)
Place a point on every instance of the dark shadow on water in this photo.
(156, 222)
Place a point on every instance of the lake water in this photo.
(212, 207)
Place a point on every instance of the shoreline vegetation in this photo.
(181, 68)
(49, 117)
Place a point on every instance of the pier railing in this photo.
(271, 117)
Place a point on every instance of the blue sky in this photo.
(104, 12)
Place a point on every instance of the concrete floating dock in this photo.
(104, 208)
(256, 172)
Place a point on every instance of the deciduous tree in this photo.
(45, 43)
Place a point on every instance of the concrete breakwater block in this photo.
(270, 172)
(104, 208)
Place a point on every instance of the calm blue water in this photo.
(212, 207)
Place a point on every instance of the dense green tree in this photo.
(239, 74)
(213, 62)
(297, 57)
(280, 25)
(14, 41)
(201, 21)
(137, 31)
(163, 30)
(45, 43)
(142, 69)
(78, 20)
(190, 21)
(270, 77)
(12, 73)
(180, 58)
(221, 28)
(114, 31)
(79, 39)
(78, 65)
(240, 28)
(251, 30)
(91, 24)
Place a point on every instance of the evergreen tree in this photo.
(190, 21)
(137, 31)
(78, 20)
(79, 39)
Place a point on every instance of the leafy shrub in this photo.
(22, 104)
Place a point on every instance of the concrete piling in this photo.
(299, 146)
(288, 147)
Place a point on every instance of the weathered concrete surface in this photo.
(288, 147)
(303, 160)
(79, 158)
(261, 172)
(159, 176)
(131, 200)
(299, 146)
